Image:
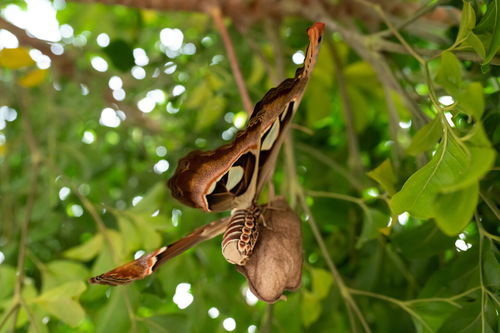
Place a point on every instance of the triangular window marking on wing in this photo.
(283, 114)
(234, 176)
(211, 188)
(287, 114)
(271, 136)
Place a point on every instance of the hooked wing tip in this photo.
(316, 31)
(319, 26)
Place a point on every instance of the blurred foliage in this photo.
(415, 237)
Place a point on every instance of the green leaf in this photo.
(465, 320)
(69, 289)
(488, 20)
(359, 108)
(321, 282)
(481, 156)
(87, 250)
(67, 310)
(61, 302)
(446, 168)
(426, 138)
(449, 73)
(151, 239)
(422, 241)
(467, 23)
(152, 200)
(210, 112)
(362, 75)
(492, 23)
(108, 259)
(384, 175)
(491, 267)
(8, 280)
(311, 308)
(374, 223)
(433, 313)
(130, 233)
(198, 96)
(121, 55)
(59, 272)
(477, 45)
(471, 100)
(258, 72)
(453, 211)
(171, 323)
(114, 317)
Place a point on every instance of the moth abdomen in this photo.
(241, 235)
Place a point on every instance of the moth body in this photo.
(241, 235)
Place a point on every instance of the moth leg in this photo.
(262, 221)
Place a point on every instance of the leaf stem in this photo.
(12, 310)
(321, 157)
(493, 208)
(399, 303)
(344, 290)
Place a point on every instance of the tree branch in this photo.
(352, 140)
(216, 15)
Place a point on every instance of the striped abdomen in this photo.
(241, 235)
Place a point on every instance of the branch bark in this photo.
(216, 15)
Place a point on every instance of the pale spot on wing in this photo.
(211, 188)
(283, 114)
(234, 175)
(271, 136)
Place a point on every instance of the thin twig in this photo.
(299, 192)
(339, 196)
(97, 219)
(271, 29)
(12, 310)
(424, 9)
(378, 9)
(399, 303)
(352, 139)
(490, 204)
(30, 316)
(363, 46)
(344, 290)
(267, 322)
(393, 126)
(388, 46)
(35, 171)
(271, 72)
(481, 273)
(215, 12)
(303, 129)
(320, 156)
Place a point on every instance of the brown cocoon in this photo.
(276, 262)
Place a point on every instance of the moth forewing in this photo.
(208, 180)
